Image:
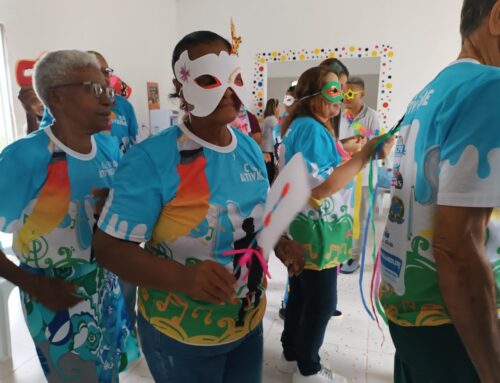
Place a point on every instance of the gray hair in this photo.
(54, 68)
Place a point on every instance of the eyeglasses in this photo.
(97, 88)
(107, 72)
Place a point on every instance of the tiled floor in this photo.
(353, 345)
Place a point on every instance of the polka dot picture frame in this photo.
(384, 52)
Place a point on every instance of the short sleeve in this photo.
(16, 185)
(469, 171)
(135, 199)
(318, 149)
(254, 123)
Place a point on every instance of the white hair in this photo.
(54, 69)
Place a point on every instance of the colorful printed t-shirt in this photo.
(324, 227)
(448, 153)
(48, 204)
(47, 200)
(193, 202)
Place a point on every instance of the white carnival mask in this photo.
(223, 71)
(288, 100)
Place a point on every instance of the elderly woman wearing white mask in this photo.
(52, 185)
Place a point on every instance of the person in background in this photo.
(440, 254)
(271, 114)
(288, 102)
(248, 123)
(358, 124)
(124, 125)
(322, 227)
(32, 106)
(201, 194)
(53, 187)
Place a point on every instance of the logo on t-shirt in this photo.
(400, 148)
(120, 120)
(251, 173)
(397, 179)
(397, 211)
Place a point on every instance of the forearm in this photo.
(341, 176)
(469, 293)
(15, 274)
(136, 265)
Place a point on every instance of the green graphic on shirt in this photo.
(195, 322)
(422, 303)
(326, 236)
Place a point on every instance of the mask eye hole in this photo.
(207, 81)
(238, 80)
(333, 91)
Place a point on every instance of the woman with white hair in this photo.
(52, 186)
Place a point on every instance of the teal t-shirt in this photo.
(192, 201)
(325, 226)
(448, 153)
(47, 197)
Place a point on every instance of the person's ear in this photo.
(494, 21)
(54, 99)
(363, 94)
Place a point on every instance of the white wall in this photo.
(424, 33)
(136, 37)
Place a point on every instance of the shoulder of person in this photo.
(108, 144)
(308, 125)
(162, 148)
(31, 147)
(243, 139)
(27, 157)
(371, 112)
(122, 103)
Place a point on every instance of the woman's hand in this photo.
(383, 150)
(292, 255)
(54, 293)
(354, 144)
(211, 282)
(267, 157)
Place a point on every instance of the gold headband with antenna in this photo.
(235, 39)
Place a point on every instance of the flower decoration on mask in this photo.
(211, 75)
(350, 94)
(184, 72)
(235, 39)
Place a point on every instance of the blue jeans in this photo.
(129, 293)
(311, 303)
(173, 362)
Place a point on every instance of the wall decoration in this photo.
(153, 96)
(384, 52)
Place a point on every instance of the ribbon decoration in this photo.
(358, 192)
(370, 223)
(247, 259)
